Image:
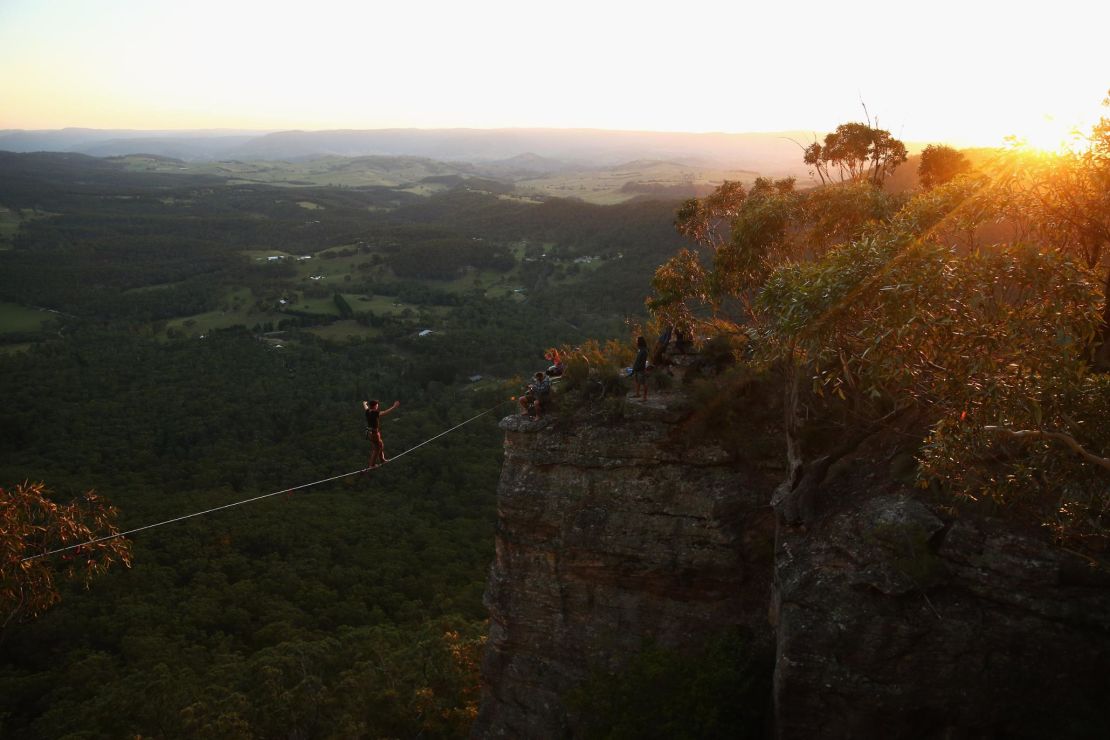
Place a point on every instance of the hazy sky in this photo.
(969, 71)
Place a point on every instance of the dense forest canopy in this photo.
(178, 342)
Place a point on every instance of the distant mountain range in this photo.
(519, 151)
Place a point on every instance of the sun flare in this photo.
(1052, 134)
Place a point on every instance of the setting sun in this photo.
(500, 64)
(1052, 134)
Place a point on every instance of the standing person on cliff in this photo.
(374, 431)
(639, 369)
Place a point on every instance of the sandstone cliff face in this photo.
(892, 622)
(891, 617)
(610, 534)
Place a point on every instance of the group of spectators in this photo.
(537, 395)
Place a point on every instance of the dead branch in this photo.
(1067, 439)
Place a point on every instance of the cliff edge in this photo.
(890, 615)
(613, 533)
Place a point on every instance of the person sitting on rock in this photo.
(534, 401)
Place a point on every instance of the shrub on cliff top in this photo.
(593, 371)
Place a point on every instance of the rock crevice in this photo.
(889, 618)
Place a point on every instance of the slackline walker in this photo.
(258, 498)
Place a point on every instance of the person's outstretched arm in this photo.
(391, 408)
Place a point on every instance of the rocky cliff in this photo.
(890, 616)
(611, 533)
(895, 621)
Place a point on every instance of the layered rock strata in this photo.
(611, 534)
(894, 622)
(892, 616)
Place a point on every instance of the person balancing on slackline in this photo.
(374, 431)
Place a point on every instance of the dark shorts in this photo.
(375, 437)
(640, 374)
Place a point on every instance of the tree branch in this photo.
(1067, 439)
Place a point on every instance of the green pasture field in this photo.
(239, 296)
(484, 280)
(13, 349)
(316, 305)
(151, 288)
(604, 187)
(9, 226)
(382, 305)
(260, 255)
(246, 315)
(202, 323)
(520, 198)
(334, 269)
(341, 331)
(424, 188)
(15, 318)
(594, 185)
(10, 221)
(142, 163)
(236, 307)
(392, 172)
(494, 283)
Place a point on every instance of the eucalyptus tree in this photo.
(856, 151)
(939, 164)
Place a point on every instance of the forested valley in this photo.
(177, 342)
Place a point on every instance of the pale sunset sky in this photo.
(966, 72)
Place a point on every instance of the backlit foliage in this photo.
(1065, 195)
(31, 524)
(939, 164)
(856, 151)
(881, 309)
(593, 371)
(773, 224)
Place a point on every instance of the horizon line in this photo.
(567, 129)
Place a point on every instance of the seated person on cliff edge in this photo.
(534, 401)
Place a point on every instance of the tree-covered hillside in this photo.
(208, 341)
